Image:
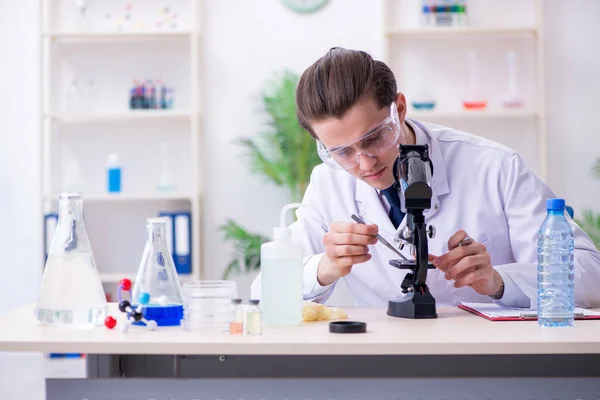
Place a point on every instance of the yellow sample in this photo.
(319, 312)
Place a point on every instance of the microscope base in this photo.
(414, 305)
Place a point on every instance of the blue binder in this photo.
(179, 239)
(170, 232)
(50, 222)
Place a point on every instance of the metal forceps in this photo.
(380, 238)
(465, 242)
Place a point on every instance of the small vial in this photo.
(254, 319)
(236, 326)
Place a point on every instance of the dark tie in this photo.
(396, 214)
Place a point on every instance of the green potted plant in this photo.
(590, 222)
(284, 154)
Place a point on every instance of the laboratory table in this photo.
(456, 356)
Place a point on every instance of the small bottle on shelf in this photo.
(114, 173)
(254, 319)
(236, 326)
(133, 93)
(427, 13)
(144, 96)
(170, 98)
(444, 12)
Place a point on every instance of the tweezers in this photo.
(380, 238)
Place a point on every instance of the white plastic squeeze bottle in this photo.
(281, 276)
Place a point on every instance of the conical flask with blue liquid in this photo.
(157, 284)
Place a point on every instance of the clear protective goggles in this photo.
(373, 143)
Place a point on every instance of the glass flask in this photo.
(474, 100)
(158, 278)
(423, 100)
(71, 293)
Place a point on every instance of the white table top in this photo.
(454, 332)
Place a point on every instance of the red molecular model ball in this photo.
(125, 284)
(110, 322)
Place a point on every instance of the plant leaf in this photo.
(283, 153)
(245, 244)
(260, 163)
(591, 225)
(596, 168)
(232, 267)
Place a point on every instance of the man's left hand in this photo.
(468, 263)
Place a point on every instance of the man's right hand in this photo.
(345, 246)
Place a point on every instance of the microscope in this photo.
(413, 170)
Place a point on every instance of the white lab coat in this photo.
(479, 186)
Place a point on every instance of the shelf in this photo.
(109, 36)
(470, 114)
(112, 56)
(122, 197)
(116, 277)
(447, 32)
(137, 115)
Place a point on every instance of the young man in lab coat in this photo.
(483, 195)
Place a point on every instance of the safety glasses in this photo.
(373, 143)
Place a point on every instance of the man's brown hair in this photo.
(339, 80)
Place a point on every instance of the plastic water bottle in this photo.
(555, 268)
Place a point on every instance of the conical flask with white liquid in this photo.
(71, 293)
(513, 98)
(158, 279)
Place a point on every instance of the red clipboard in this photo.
(525, 315)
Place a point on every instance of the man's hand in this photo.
(345, 246)
(469, 264)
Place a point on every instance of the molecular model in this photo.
(125, 307)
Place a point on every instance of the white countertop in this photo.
(454, 332)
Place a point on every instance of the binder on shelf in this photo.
(50, 222)
(66, 355)
(179, 238)
(170, 233)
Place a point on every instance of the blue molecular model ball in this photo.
(144, 298)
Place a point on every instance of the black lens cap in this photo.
(347, 327)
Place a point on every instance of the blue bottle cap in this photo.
(555, 204)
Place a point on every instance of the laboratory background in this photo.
(179, 109)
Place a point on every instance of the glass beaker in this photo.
(158, 278)
(71, 293)
(208, 305)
